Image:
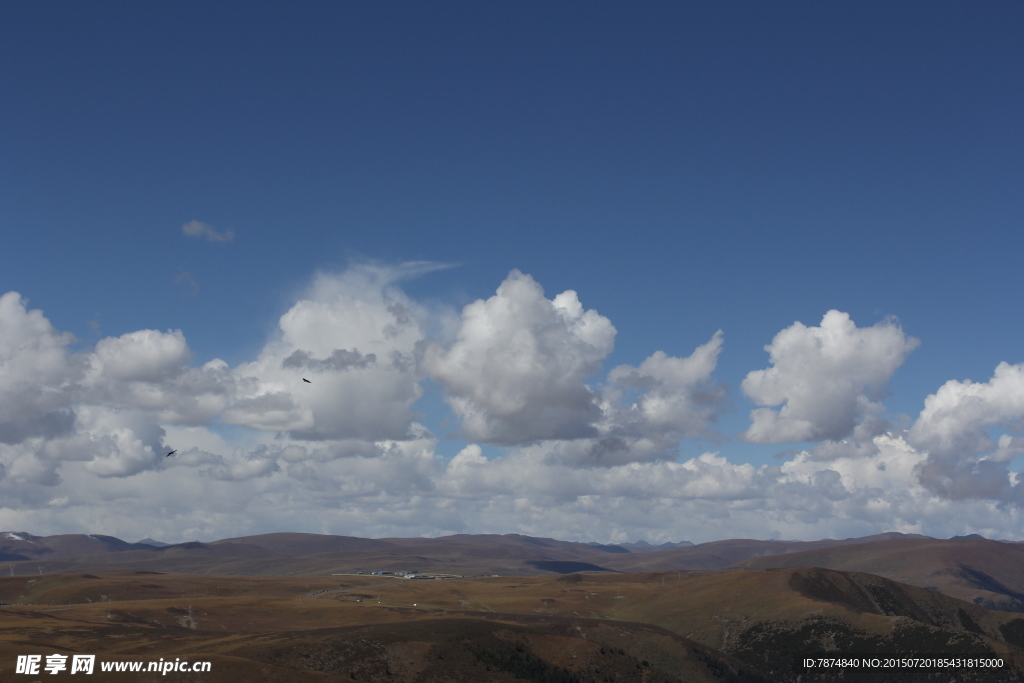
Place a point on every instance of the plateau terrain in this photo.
(285, 607)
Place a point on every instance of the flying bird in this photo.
(171, 453)
(306, 380)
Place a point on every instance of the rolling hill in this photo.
(20, 546)
(989, 573)
(299, 553)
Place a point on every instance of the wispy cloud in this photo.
(205, 230)
(185, 279)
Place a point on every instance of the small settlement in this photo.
(405, 574)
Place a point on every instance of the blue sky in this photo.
(683, 167)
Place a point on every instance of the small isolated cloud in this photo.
(185, 280)
(516, 370)
(824, 378)
(207, 231)
(963, 460)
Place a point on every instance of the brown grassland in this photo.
(980, 571)
(657, 626)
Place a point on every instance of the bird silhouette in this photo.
(306, 380)
(170, 454)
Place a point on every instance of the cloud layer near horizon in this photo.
(83, 435)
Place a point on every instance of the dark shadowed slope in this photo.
(308, 544)
(15, 546)
(719, 554)
(989, 573)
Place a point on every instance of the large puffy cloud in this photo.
(37, 374)
(516, 371)
(359, 339)
(147, 370)
(645, 410)
(345, 454)
(122, 443)
(102, 407)
(354, 336)
(824, 378)
(146, 355)
(677, 396)
(964, 461)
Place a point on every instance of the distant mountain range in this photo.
(18, 546)
(986, 572)
(150, 541)
(638, 547)
(642, 546)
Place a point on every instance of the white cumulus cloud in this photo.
(146, 355)
(84, 434)
(354, 336)
(38, 374)
(677, 396)
(516, 370)
(824, 378)
(963, 460)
